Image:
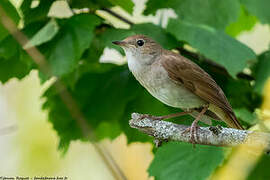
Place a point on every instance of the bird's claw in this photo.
(150, 117)
(193, 129)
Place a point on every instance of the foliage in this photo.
(201, 161)
(222, 48)
(107, 93)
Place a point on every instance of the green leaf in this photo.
(213, 44)
(14, 62)
(182, 161)
(99, 4)
(241, 95)
(246, 116)
(35, 14)
(12, 68)
(10, 10)
(125, 4)
(91, 4)
(108, 130)
(261, 170)
(43, 35)
(259, 8)
(262, 71)
(217, 14)
(101, 97)
(8, 48)
(245, 22)
(65, 50)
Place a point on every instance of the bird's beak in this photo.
(119, 43)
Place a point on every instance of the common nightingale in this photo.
(177, 81)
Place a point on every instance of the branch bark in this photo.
(215, 136)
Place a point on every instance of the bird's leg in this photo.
(166, 116)
(194, 126)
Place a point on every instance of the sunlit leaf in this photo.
(65, 50)
(217, 14)
(213, 44)
(245, 22)
(259, 8)
(43, 35)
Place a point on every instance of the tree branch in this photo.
(215, 136)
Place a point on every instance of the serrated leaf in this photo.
(64, 51)
(214, 13)
(35, 14)
(106, 97)
(12, 13)
(262, 71)
(108, 130)
(43, 35)
(12, 68)
(181, 161)
(14, 61)
(259, 8)
(213, 44)
(101, 97)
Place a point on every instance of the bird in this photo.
(177, 82)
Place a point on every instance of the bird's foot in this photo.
(151, 117)
(193, 129)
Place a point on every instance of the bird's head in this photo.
(140, 47)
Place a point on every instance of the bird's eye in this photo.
(140, 42)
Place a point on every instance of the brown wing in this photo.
(194, 78)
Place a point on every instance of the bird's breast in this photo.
(156, 80)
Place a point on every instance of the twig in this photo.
(215, 136)
(117, 16)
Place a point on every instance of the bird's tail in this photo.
(234, 123)
(228, 117)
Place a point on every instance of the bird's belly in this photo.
(164, 89)
(175, 95)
